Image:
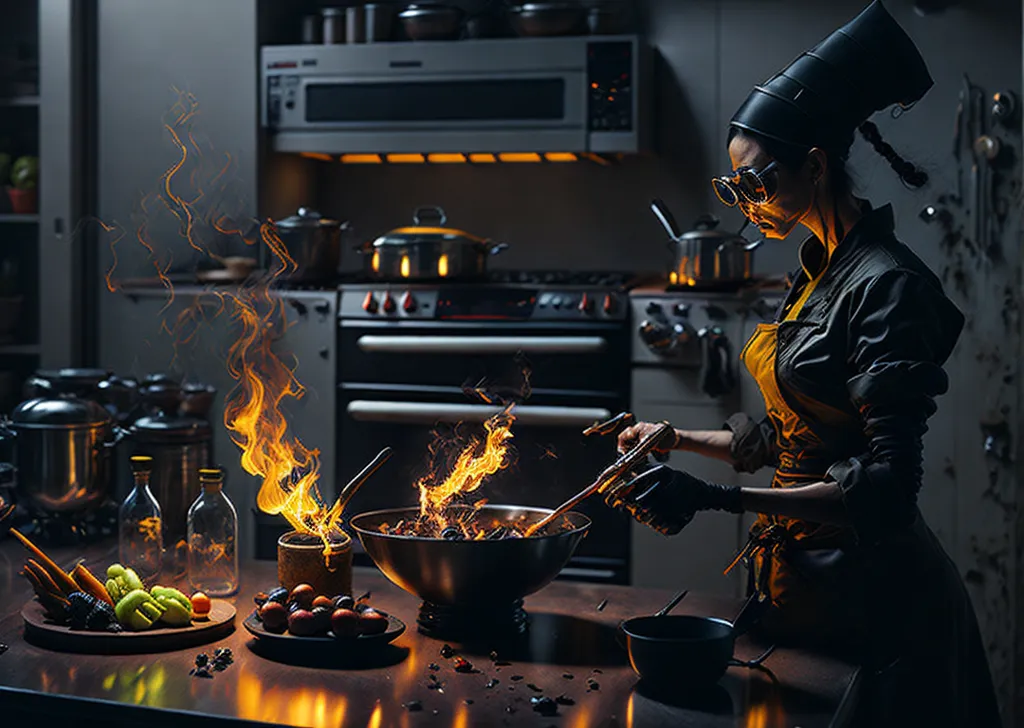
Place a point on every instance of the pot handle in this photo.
(417, 215)
(743, 243)
(666, 219)
(495, 248)
(119, 434)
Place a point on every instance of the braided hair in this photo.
(910, 174)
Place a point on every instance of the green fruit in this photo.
(25, 173)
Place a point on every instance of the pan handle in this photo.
(756, 662)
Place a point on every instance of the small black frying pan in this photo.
(687, 652)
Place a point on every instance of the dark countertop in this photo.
(568, 637)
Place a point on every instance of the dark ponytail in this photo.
(910, 174)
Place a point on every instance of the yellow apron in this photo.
(804, 602)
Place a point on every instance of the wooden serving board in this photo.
(39, 630)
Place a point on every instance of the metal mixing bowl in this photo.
(470, 573)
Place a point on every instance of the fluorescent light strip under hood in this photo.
(451, 158)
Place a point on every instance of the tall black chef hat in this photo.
(821, 97)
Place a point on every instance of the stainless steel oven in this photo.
(401, 382)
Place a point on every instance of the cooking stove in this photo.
(68, 529)
(502, 295)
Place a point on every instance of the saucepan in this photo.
(686, 652)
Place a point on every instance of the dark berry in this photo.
(447, 651)
(433, 666)
(413, 706)
(545, 706)
(202, 659)
(491, 683)
(344, 602)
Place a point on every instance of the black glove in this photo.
(667, 499)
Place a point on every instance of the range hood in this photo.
(521, 99)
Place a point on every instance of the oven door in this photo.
(551, 458)
(588, 359)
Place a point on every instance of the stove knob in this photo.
(370, 303)
(586, 304)
(653, 307)
(408, 302)
(388, 304)
(682, 310)
(556, 302)
(610, 304)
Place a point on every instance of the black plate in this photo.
(395, 628)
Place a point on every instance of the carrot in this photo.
(90, 584)
(65, 583)
(44, 578)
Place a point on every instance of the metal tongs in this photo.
(334, 515)
(614, 473)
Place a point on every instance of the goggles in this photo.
(747, 184)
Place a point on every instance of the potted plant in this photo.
(24, 178)
(10, 301)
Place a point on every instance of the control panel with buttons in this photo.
(610, 74)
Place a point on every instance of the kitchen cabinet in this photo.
(43, 110)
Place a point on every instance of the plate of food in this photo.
(300, 617)
(77, 612)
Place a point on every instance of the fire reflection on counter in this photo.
(296, 706)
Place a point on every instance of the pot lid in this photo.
(170, 428)
(419, 232)
(706, 228)
(417, 10)
(47, 411)
(307, 219)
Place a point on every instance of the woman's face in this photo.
(795, 194)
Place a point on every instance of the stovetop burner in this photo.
(456, 623)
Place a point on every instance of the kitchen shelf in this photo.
(19, 218)
(19, 349)
(20, 101)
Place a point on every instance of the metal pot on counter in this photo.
(706, 255)
(180, 445)
(62, 449)
(425, 252)
(313, 242)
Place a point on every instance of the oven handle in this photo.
(482, 344)
(429, 413)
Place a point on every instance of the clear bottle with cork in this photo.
(213, 538)
(140, 531)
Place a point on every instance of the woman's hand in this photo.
(667, 499)
(632, 435)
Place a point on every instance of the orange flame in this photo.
(480, 459)
(289, 471)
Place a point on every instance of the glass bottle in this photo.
(140, 530)
(213, 538)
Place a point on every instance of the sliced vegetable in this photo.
(138, 610)
(59, 576)
(121, 581)
(90, 584)
(177, 607)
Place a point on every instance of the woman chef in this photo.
(849, 370)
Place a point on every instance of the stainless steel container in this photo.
(62, 451)
(333, 30)
(380, 20)
(314, 243)
(428, 253)
(355, 24)
(706, 255)
(179, 446)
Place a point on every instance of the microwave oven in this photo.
(579, 94)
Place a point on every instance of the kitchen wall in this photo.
(710, 54)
